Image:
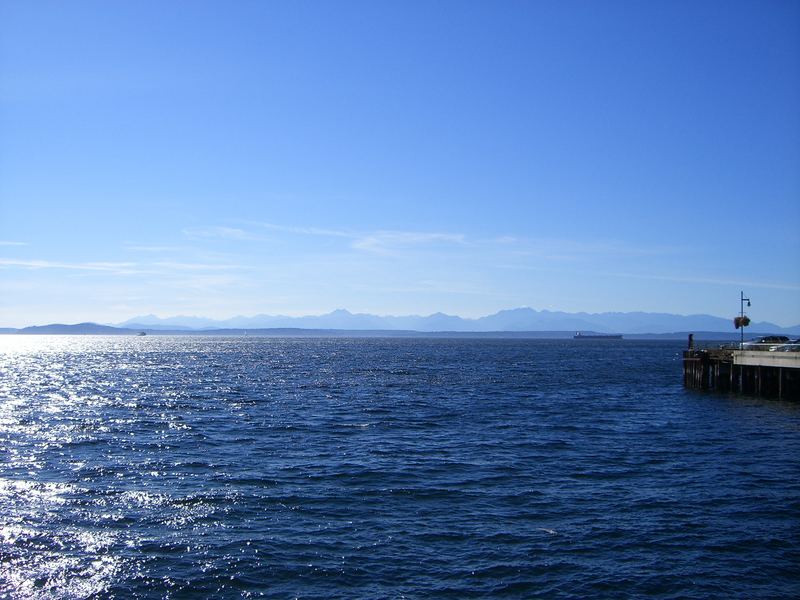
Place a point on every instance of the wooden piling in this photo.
(761, 373)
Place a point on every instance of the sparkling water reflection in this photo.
(238, 467)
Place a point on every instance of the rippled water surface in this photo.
(182, 467)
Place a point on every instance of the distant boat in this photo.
(141, 333)
(596, 336)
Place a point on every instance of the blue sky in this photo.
(223, 158)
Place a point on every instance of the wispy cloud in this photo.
(387, 242)
(395, 243)
(709, 281)
(10, 243)
(164, 268)
(144, 248)
(505, 240)
(377, 242)
(227, 233)
(318, 231)
(183, 266)
(112, 267)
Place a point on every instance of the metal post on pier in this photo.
(742, 300)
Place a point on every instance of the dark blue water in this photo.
(184, 467)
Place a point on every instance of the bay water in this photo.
(248, 467)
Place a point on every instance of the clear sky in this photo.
(235, 157)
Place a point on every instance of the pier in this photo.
(754, 372)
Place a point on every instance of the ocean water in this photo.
(183, 467)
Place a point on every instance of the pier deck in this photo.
(757, 372)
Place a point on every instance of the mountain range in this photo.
(518, 319)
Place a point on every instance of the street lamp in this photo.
(742, 300)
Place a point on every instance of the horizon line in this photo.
(219, 323)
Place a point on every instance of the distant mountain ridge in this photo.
(76, 329)
(517, 319)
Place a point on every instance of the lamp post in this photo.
(742, 300)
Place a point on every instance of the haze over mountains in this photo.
(518, 319)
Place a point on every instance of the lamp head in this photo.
(748, 303)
